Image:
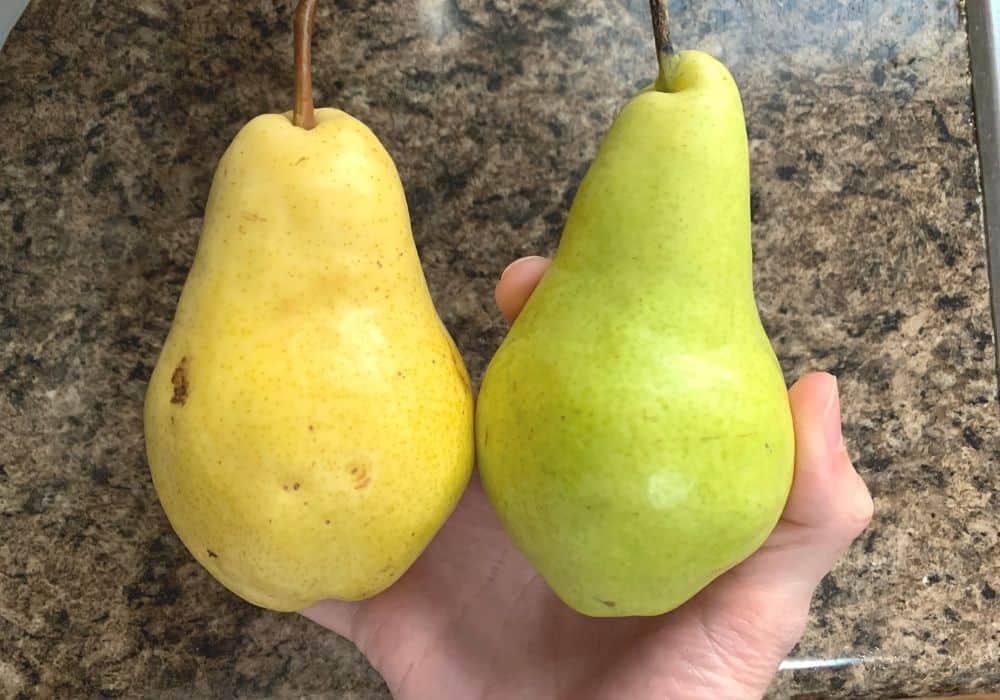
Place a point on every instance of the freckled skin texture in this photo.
(309, 421)
(633, 430)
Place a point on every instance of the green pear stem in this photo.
(661, 34)
(305, 14)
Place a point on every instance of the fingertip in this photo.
(815, 405)
(517, 263)
(517, 282)
(812, 386)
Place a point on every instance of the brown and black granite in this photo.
(870, 263)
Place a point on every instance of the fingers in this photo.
(517, 283)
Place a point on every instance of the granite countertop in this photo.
(870, 263)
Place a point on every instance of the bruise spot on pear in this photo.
(359, 471)
(180, 381)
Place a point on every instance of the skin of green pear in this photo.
(309, 422)
(633, 430)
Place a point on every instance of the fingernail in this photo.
(519, 260)
(507, 269)
(831, 420)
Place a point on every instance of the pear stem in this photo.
(661, 28)
(305, 15)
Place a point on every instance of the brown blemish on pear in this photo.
(180, 381)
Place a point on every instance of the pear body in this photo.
(309, 421)
(633, 430)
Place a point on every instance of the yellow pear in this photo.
(309, 421)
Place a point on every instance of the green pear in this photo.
(633, 429)
(309, 421)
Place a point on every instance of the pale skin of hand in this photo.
(473, 619)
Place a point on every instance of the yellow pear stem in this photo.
(661, 34)
(305, 15)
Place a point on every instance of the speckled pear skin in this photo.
(633, 430)
(309, 421)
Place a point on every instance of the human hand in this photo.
(473, 619)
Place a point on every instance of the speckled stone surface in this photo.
(869, 257)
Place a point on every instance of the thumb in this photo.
(517, 283)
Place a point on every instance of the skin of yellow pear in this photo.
(309, 423)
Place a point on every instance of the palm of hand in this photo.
(473, 619)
